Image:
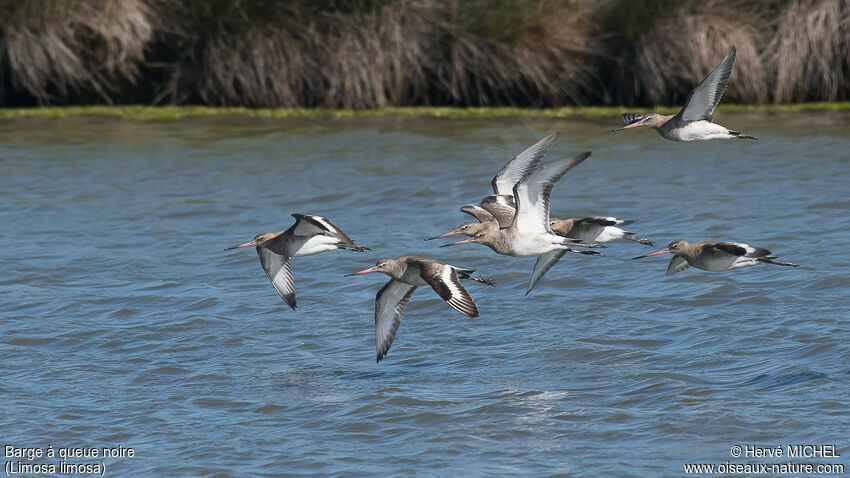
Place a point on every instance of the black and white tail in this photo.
(587, 253)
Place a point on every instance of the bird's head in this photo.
(385, 266)
(260, 240)
(654, 120)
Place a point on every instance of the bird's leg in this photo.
(353, 247)
(641, 240)
(482, 280)
(778, 263)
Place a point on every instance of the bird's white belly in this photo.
(717, 264)
(609, 233)
(744, 262)
(702, 130)
(534, 245)
(309, 245)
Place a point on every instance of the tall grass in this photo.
(363, 54)
(51, 50)
(679, 50)
(809, 57)
(277, 53)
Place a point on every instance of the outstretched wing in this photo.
(604, 221)
(677, 264)
(543, 264)
(308, 225)
(521, 164)
(732, 248)
(443, 279)
(478, 212)
(704, 98)
(389, 307)
(502, 208)
(532, 192)
(279, 270)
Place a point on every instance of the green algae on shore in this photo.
(152, 113)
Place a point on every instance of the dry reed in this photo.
(681, 49)
(809, 56)
(361, 54)
(53, 50)
(401, 53)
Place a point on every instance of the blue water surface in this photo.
(126, 324)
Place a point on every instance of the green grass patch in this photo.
(153, 113)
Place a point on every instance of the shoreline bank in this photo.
(152, 113)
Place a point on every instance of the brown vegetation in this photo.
(55, 51)
(679, 50)
(362, 54)
(809, 57)
(400, 53)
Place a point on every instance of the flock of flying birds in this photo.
(515, 221)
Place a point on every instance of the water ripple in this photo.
(126, 323)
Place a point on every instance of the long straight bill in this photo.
(662, 251)
(252, 243)
(364, 271)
